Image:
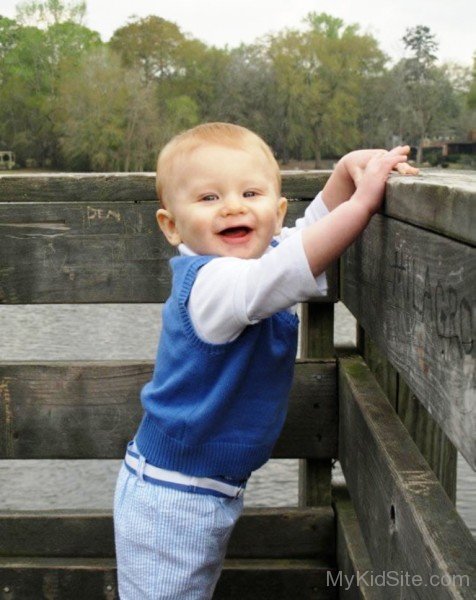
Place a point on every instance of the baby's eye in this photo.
(209, 197)
(249, 194)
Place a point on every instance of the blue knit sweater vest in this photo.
(215, 409)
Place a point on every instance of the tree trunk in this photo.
(317, 154)
(419, 154)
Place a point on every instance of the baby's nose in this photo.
(233, 205)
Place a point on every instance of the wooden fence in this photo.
(392, 411)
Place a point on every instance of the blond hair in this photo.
(219, 134)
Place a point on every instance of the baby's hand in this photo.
(357, 161)
(371, 183)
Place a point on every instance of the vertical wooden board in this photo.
(384, 372)
(317, 330)
(414, 293)
(431, 440)
(317, 341)
(428, 436)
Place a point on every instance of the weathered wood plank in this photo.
(260, 533)
(432, 442)
(58, 579)
(303, 184)
(95, 579)
(408, 522)
(414, 293)
(91, 410)
(384, 372)
(436, 200)
(430, 439)
(440, 201)
(275, 580)
(82, 252)
(77, 187)
(117, 187)
(317, 341)
(94, 251)
(353, 561)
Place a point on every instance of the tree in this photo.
(32, 60)
(471, 99)
(43, 14)
(109, 120)
(150, 44)
(320, 74)
(430, 103)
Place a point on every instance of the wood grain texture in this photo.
(408, 522)
(353, 560)
(414, 293)
(92, 251)
(440, 201)
(95, 579)
(431, 440)
(117, 187)
(444, 202)
(317, 342)
(260, 533)
(91, 410)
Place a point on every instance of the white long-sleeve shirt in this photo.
(231, 293)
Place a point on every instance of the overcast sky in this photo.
(221, 23)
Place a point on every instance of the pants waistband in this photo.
(137, 464)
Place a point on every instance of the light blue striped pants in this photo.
(170, 544)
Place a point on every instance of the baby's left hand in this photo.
(356, 162)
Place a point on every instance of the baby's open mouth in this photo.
(235, 232)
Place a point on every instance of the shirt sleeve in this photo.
(314, 212)
(231, 293)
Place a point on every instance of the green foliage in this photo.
(69, 101)
(109, 120)
(32, 60)
(319, 78)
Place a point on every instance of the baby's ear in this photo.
(282, 208)
(166, 222)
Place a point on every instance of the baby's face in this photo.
(223, 201)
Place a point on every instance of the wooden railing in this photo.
(407, 400)
(409, 280)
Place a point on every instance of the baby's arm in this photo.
(327, 239)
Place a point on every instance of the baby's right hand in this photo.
(371, 185)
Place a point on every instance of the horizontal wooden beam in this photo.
(120, 187)
(91, 251)
(95, 579)
(260, 533)
(275, 580)
(409, 524)
(91, 410)
(443, 202)
(414, 293)
(440, 201)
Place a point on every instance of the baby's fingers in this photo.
(405, 169)
(400, 150)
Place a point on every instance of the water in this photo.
(125, 332)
